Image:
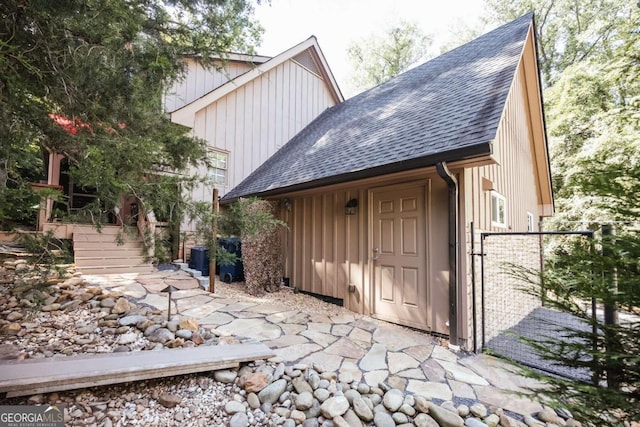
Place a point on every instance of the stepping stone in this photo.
(292, 328)
(216, 319)
(400, 362)
(188, 293)
(396, 338)
(293, 354)
(367, 325)
(319, 318)
(361, 335)
(252, 328)
(330, 362)
(430, 389)
(462, 390)
(281, 317)
(442, 353)
(157, 301)
(343, 318)
(319, 338)
(462, 374)
(374, 378)
(346, 348)
(341, 330)
(133, 290)
(193, 302)
(350, 367)
(375, 359)
(420, 352)
(433, 371)
(182, 283)
(233, 306)
(319, 327)
(287, 341)
(506, 400)
(200, 312)
(415, 374)
(268, 308)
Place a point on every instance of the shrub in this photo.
(261, 243)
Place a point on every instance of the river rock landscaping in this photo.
(59, 314)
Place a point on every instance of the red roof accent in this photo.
(72, 126)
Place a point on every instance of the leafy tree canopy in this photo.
(568, 31)
(86, 78)
(378, 58)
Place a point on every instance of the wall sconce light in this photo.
(351, 208)
(287, 203)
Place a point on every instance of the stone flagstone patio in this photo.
(356, 347)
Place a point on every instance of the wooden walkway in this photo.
(33, 376)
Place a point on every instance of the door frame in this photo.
(426, 185)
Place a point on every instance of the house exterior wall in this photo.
(512, 176)
(199, 80)
(255, 120)
(326, 250)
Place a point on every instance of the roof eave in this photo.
(477, 151)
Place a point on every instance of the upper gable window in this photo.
(219, 163)
(498, 210)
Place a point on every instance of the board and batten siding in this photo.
(513, 176)
(325, 250)
(255, 120)
(199, 80)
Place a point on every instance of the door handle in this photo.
(375, 254)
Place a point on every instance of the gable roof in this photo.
(446, 109)
(185, 114)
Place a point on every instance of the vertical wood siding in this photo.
(326, 246)
(326, 250)
(513, 176)
(254, 121)
(198, 81)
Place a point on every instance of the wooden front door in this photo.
(399, 254)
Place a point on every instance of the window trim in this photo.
(216, 167)
(495, 219)
(531, 222)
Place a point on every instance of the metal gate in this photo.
(507, 308)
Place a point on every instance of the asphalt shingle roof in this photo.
(446, 109)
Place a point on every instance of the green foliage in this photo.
(609, 352)
(568, 31)
(380, 57)
(591, 67)
(46, 254)
(254, 221)
(18, 206)
(103, 67)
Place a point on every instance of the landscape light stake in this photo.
(169, 289)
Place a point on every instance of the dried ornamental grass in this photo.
(261, 247)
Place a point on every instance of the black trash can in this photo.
(200, 259)
(233, 272)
